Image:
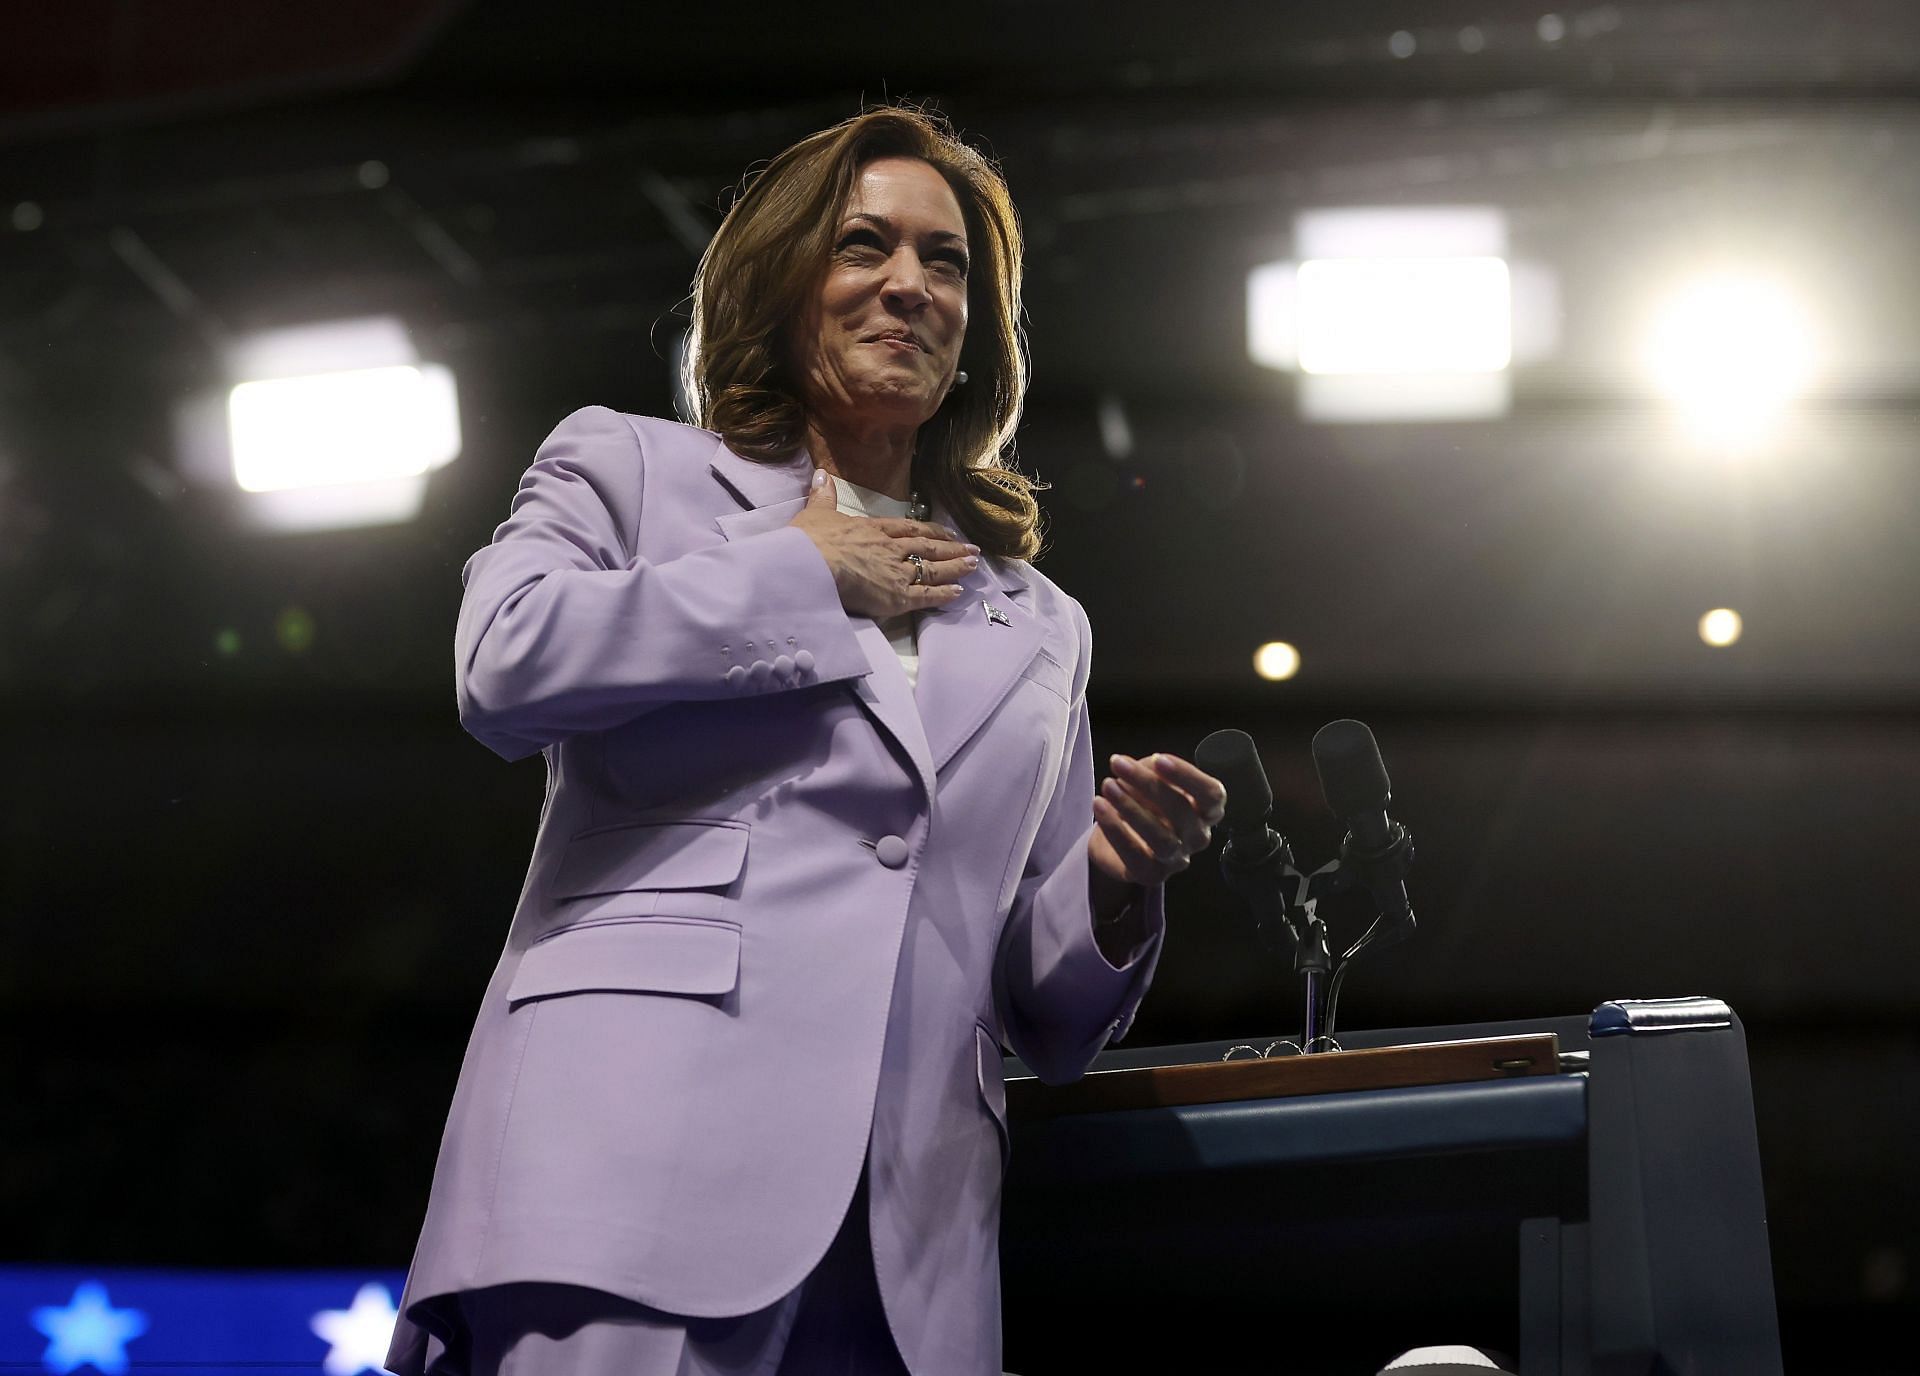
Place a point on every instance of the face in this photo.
(880, 344)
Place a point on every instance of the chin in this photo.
(900, 397)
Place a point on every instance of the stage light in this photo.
(1276, 661)
(1720, 627)
(1733, 352)
(1399, 313)
(1404, 315)
(368, 425)
(327, 426)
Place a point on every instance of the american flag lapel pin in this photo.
(996, 617)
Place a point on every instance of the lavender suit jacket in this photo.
(782, 911)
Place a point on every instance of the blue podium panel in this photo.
(1364, 1125)
(59, 1319)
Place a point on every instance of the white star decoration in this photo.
(88, 1331)
(357, 1337)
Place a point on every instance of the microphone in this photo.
(1255, 862)
(1230, 756)
(1354, 780)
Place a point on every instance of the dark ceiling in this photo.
(528, 187)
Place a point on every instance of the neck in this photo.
(879, 458)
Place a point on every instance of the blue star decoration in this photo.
(88, 1331)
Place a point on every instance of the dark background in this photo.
(252, 881)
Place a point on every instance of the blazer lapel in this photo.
(773, 495)
(970, 659)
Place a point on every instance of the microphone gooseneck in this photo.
(1257, 864)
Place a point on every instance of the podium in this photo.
(1582, 1193)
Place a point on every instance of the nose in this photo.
(906, 284)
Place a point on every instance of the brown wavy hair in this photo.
(766, 262)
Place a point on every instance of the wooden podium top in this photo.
(1278, 1077)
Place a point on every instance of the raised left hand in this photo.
(1151, 817)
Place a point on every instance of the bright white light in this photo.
(1276, 661)
(329, 425)
(1401, 231)
(1733, 352)
(1397, 313)
(1720, 627)
(357, 1338)
(367, 425)
(1273, 315)
(1405, 315)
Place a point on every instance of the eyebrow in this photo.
(943, 235)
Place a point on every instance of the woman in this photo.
(821, 830)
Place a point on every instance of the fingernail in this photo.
(973, 549)
(819, 476)
(971, 562)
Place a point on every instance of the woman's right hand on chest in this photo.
(869, 556)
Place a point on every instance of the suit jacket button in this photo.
(890, 851)
(736, 677)
(783, 666)
(803, 661)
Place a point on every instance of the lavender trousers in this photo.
(832, 1324)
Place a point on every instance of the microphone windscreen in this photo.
(1231, 758)
(1352, 775)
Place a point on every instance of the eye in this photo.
(859, 240)
(953, 260)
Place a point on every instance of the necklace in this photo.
(917, 510)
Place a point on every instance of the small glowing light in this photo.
(1733, 352)
(294, 629)
(1472, 40)
(226, 642)
(1551, 28)
(27, 217)
(1402, 44)
(1720, 627)
(1276, 661)
(1116, 432)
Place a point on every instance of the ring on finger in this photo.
(919, 570)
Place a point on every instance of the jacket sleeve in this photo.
(1060, 999)
(565, 627)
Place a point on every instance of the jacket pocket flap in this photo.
(654, 955)
(652, 855)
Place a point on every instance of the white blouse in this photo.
(853, 500)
